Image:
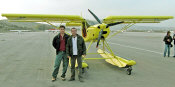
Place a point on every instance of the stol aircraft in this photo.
(97, 33)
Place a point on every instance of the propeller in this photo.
(98, 20)
(99, 37)
(101, 31)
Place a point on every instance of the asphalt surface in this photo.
(27, 60)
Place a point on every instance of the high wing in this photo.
(73, 24)
(136, 19)
(43, 18)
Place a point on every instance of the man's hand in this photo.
(168, 40)
(83, 56)
(68, 57)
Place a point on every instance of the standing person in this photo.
(59, 43)
(174, 43)
(167, 39)
(76, 49)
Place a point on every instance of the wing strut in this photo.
(124, 28)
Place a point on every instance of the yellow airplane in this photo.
(93, 33)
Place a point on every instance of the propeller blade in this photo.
(112, 24)
(98, 20)
(99, 37)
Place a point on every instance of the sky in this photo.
(102, 8)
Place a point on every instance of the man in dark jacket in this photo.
(167, 39)
(174, 43)
(59, 43)
(76, 49)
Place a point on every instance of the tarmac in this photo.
(27, 60)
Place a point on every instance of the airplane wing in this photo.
(136, 19)
(43, 18)
(73, 24)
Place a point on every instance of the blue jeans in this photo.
(167, 47)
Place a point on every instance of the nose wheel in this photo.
(129, 69)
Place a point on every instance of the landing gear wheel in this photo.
(83, 70)
(129, 70)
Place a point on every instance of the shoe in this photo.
(71, 79)
(81, 80)
(53, 79)
(63, 78)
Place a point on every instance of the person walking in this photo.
(167, 39)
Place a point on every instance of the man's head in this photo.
(74, 31)
(62, 29)
(168, 33)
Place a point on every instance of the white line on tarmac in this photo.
(135, 48)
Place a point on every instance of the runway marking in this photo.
(135, 48)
